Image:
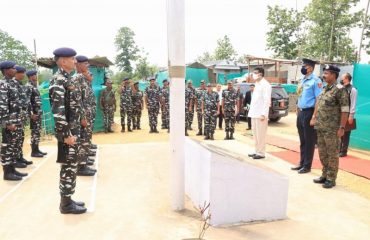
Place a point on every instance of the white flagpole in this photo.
(176, 65)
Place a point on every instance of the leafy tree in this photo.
(142, 70)
(45, 74)
(12, 49)
(126, 48)
(224, 49)
(119, 76)
(285, 34)
(367, 36)
(206, 57)
(331, 21)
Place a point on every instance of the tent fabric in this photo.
(221, 77)
(290, 88)
(194, 74)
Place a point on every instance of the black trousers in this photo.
(220, 117)
(345, 142)
(249, 120)
(307, 137)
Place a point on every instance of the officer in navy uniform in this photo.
(309, 89)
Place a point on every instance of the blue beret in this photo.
(165, 80)
(7, 65)
(64, 52)
(308, 62)
(20, 69)
(81, 58)
(31, 73)
(331, 68)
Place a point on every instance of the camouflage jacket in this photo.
(33, 98)
(210, 102)
(10, 102)
(189, 96)
(4, 109)
(66, 105)
(87, 94)
(24, 101)
(331, 103)
(126, 97)
(107, 98)
(165, 94)
(230, 98)
(137, 100)
(199, 94)
(153, 94)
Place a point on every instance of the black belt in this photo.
(306, 109)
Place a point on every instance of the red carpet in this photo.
(350, 164)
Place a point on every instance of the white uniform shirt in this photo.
(261, 100)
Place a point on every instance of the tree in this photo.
(44, 75)
(224, 49)
(206, 57)
(119, 76)
(285, 34)
(14, 50)
(126, 48)
(331, 21)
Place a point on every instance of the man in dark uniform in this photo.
(329, 119)
(152, 99)
(67, 108)
(34, 112)
(126, 105)
(165, 103)
(10, 116)
(210, 109)
(199, 94)
(230, 104)
(189, 98)
(308, 91)
(108, 105)
(193, 100)
(247, 103)
(138, 103)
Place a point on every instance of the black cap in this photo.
(331, 68)
(252, 85)
(7, 65)
(308, 62)
(81, 58)
(64, 52)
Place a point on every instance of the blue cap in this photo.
(31, 73)
(64, 52)
(126, 79)
(164, 80)
(20, 69)
(331, 68)
(7, 65)
(309, 62)
(81, 58)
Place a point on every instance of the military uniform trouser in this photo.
(307, 137)
(166, 117)
(153, 116)
(210, 119)
(35, 126)
(68, 169)
(108, 113)
(191, 116)
(329, 144)
(136, 117)
(9, 147)
(187, 118)
(229, 121)
(20, 130)
(126, 112)
(200, 119)
(86, 134)
(345, 142)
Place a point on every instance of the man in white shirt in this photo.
(220, 115)
(259, 111)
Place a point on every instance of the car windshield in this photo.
(279, 92)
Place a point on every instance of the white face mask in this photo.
(255, 76)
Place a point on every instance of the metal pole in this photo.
(176, 64)
(363, 30)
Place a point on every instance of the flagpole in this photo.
(36, 67)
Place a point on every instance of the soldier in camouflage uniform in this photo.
(152, 99)
(10, 116)
(193, 102)
(230, 107)
(34, 112)
(329, 119)
(67, 108)
(210, 109)
(189, 96)
(83, 78)
(126, 105)
(165, 103)
(108, 105)
(199, 94)
(138, 103)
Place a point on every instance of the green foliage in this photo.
(225, 49)
(45, 74)
(119, 76)
(285, 34)
(143, 69)
(367, 35)
(126, 48)
(12, 49)
(206, 57)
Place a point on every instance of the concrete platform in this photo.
(131, 199)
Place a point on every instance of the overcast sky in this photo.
(90, 26)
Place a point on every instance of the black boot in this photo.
(91, 153)
(90, 162)
(231, 136)
(227, 136)
(111, 131)
(155, 129)
(68, 206)
(211, 137)
(200, 133)
(10, 175)
(23, 160)
(129, 128)
(19, 173)
(151, 129)
(206, 136)
(123, 128)
(93, 146)
(34, 152)
(19, 164)
(134, 127)
(84, 170)
(38, 150)
(186, 132)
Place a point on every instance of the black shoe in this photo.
(111, 131)
(90, 162)
(232, 136)
(18, 164)
(206, 137)
(10, 175)
(155, 130)
(36, 155)
(79, 203)
(212, 138)
(252, 155)
(304, 170)
(129, 129)
(258, 157)
(296, 168)
(39, 151)
(68, 206)
(200, 132)
(320, 180)
(227, 136)
(328, 184)
(93, 146)
(248, 128)
(138, 128)
(23, 160)
(342, 154)
(85, 171)
(19, 173)
(123, 128)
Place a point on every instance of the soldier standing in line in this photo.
(165, 103)
(329, 118)
(10, 115)
(67, 108)
(230, 105)
(152, 99)
(188, 107)
(81, 79)
(108, 106)
(138, 103)
(193, 100)
(199, 94)
(210, 109)
(35, 112)
(126, 105)
(92, 102)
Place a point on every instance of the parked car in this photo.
(279, 101)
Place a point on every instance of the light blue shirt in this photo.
(311, 89)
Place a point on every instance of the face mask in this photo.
(255, 76)
(304, 70)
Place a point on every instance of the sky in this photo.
(90, 26)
